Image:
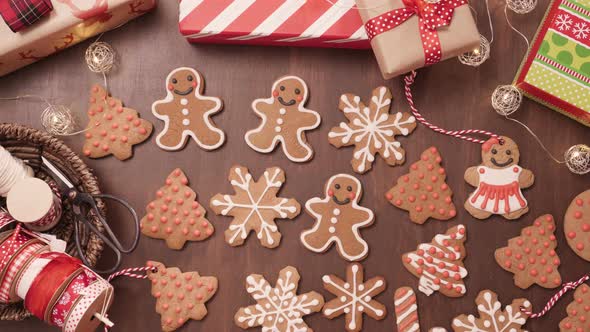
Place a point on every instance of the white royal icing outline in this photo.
(425, 283)
(206, 116)
(279, 137)
(334, 238)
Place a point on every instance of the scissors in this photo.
(84, 204)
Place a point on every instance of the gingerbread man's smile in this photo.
(506, 163)
(339, 202)
(185, 92)
(288, 103)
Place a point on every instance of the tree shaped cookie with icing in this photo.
(284, 120)
(491, 316)
(187, 113)
(338, 218)
(423, 192)
(180, 296)
(175, 215)
(354, 297)
(499, 181)
(439, 264)
(255, 206)
(279, 308)
(531, 256)
(371, 129)
(577, 312)
(112, 128)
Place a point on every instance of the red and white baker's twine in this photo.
(409, 80)
(553, 300)
(131, 273)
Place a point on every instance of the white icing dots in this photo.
(278, 129)
(184, 101)
(185, 111)
(186, 122)
(332, 230)
(336, 212)
(280, 121)
(282, 111)
(334, 220)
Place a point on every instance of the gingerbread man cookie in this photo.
(284, 119)
(499, 181)
(338, 219)
(186, 112)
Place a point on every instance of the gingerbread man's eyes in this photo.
(282, 88)
(349, 188)
(189, 78)
(297, 91)
(494, 151)
(508, 152)
(174, 81)
(337, 186)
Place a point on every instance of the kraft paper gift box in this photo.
(311, 23)
(401, 50)
(70, 22)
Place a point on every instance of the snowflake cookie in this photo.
(491, 317)
(255, 206)
(354, 297)
(338, 219)
(371, 129)
(278, 309)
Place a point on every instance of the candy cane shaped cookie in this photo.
(406, 310)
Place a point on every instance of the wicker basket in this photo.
(28, 144)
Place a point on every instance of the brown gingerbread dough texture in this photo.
(499, 181)
(284, 120)
(112, 128)
(338, 218)
(179, 296)
(491, 316)
(576, 225)
(577, 312)
(187, 113)
(531, 256)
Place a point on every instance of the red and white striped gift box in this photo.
(312, 23)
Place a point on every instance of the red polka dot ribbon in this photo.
(431, 17)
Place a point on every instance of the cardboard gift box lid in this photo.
(315, 23)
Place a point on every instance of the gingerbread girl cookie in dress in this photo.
(186, 112)
(284, 119)
(499, 181)
(338, 219)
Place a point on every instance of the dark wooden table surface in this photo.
(449, 94)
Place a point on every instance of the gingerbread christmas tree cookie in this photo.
(371, 129)
(175, 215)
(576, 225)
(423, 192)
(180, 296)
(531, 256)
(279, 308)
(577, 312)
(491, 316)
(338, 218)
(439, 264)
(354, 297)
(112, 128)
(255, 206)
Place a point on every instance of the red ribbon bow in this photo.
(431, 16)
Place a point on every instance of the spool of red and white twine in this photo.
(55, 287)
(35, 203)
